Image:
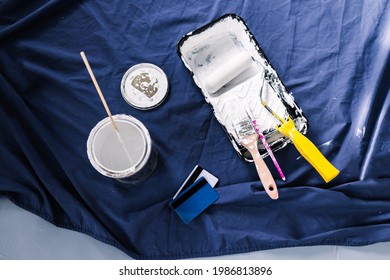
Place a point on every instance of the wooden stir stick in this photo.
(84, 57)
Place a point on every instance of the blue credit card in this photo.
(194, 200)
(196, 174)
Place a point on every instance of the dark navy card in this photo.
(196, 174)
(194, 200)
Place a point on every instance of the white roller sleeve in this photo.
(227, 71)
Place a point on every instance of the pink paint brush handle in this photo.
(268, 148)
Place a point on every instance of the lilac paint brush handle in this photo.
(268, 148)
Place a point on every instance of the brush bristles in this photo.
(245, 128)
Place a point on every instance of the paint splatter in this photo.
(360, 132)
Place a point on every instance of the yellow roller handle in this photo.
(308, 150)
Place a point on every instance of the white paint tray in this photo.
(207, 50)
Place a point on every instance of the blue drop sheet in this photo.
(333, 56)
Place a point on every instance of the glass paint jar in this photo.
(128, 156)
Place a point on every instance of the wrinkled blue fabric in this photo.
(333, 56)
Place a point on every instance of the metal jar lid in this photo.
(144, 86)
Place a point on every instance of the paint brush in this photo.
(248, 137)
(267, 147)
(304, 146)
(84, 57)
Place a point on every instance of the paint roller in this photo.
(236, 66)
(228, 71)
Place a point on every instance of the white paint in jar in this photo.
(131, 161)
